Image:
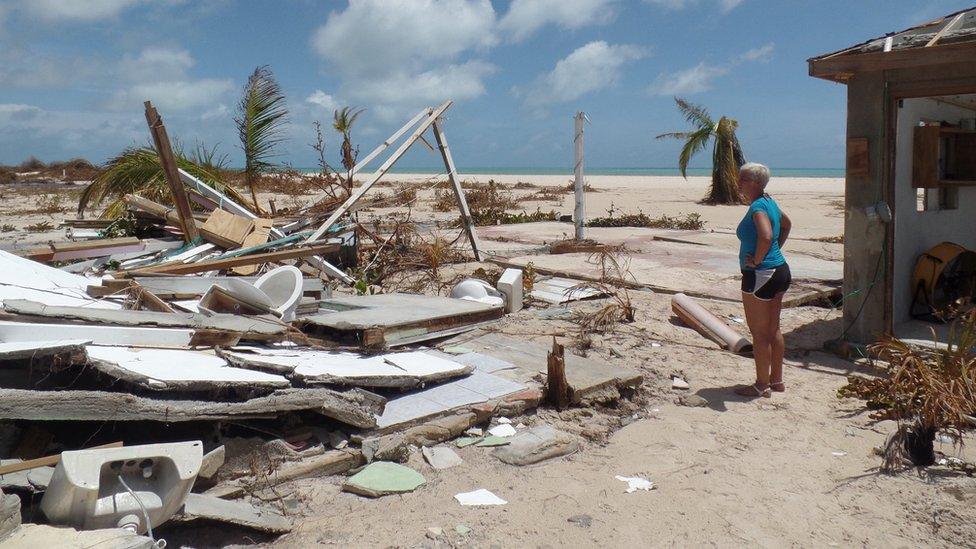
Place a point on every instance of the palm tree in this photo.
(727, 155)
(261, 119)
(342, 121)
(137, 170)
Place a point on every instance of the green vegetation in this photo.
(689, 222)
(261, 120)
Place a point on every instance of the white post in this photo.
(578, 215)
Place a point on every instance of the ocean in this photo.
(777, 172)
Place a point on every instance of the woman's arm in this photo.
(764, 241)
(784, 228)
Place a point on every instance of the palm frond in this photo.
(727, 158)
(261, 120)
(137, 170)
(674, 135)
(695, 114)
(696, 143)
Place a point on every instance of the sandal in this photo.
(777, 386)
(753, 391)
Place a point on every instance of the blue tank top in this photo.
(747, 233)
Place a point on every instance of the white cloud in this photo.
(589, 68)
(321, 99)
(702, 76)
(524, 17)
(694, 80)
(763, 53)
(160, 75)
(28, 129)
(724, 6)
(78, 10)
(393, 55)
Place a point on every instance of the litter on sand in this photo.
(636, 483)
(479, 497)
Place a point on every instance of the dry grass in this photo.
(51, 204)
(40, 227)
(829, 239)
(691, 221)
(925, 391)
(618, 308)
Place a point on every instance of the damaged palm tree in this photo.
(261, 120)
(727, 155)
(924, 390)
(342, 121)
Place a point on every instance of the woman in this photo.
(765, 278)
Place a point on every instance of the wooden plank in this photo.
(452, 176)
(925, 157)
(61, 251)
(946, 29)
(226, 229)
(351, 201)
(19, 404)
(579, 209)
(259, 235)
(161, 139)
(222, 264)
(47, 461)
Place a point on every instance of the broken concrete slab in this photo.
(392, 447)
(350, 407)
(396, 319)
(537, 444)
(441, 399)
(330, 463)
(557, 290)
(29, 480)
(402, 370)
(256, 328)
(33, 536)
(9, 514)
(441, 457)
(693, 401)
(588, 378)
(20, 332)
(25, 279)
(212, 461)
(18, 350)
(238, 513)
(177, 370)
(382, 478)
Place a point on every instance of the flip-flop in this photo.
(753, 391)
(777, 386)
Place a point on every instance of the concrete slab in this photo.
(403, 370)
(18, 350)
(441, 457)
(33, 536)
(391, 319)
(175, 369)
(589, 378)
(23, 278)
(238, 513)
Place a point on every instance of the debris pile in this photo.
(149, 382)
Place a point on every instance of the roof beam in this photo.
(831, 68)
(948, 28)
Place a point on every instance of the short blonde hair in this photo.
(756, 172)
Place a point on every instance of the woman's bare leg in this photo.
(777, 345)
(757, 318)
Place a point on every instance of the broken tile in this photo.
(503, 430)
(382, 478)
(493, 441)
(479, 497)
(238, 513)
(441, 457)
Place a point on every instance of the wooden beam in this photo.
(834, 68)
(452, 176)
(227, 263)
(578, 210)
(557, 388)
(954, 103)
(948, 28)
(61, 251)
(46, 461)
(379, 172)
(165, 151)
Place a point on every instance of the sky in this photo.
(74, 74)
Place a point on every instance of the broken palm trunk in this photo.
(557, 388)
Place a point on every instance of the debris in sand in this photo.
(692, 401)
(679, 383)
(382, 478)
(537, 444)
(441, 457)
(462, 530)
(464, 442)
(636, 483)
(479, 497)
(583, 521)
(503, 430)
(492, 441)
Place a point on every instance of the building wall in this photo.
(915, 231)
(866, 280)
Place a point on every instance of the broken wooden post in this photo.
(557, 388)
(458, 191)
(578, 214)
(170, 168)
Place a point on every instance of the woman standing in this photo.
(765, 278)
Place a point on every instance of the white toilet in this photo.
(284, 287)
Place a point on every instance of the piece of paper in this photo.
(636, 483)
(503, 430)
(479, 497)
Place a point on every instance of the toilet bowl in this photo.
(284, 287)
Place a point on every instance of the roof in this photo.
(945, 40)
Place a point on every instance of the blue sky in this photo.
(74, 73)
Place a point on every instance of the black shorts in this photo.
(767, 283)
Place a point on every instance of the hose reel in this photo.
(944, 276)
